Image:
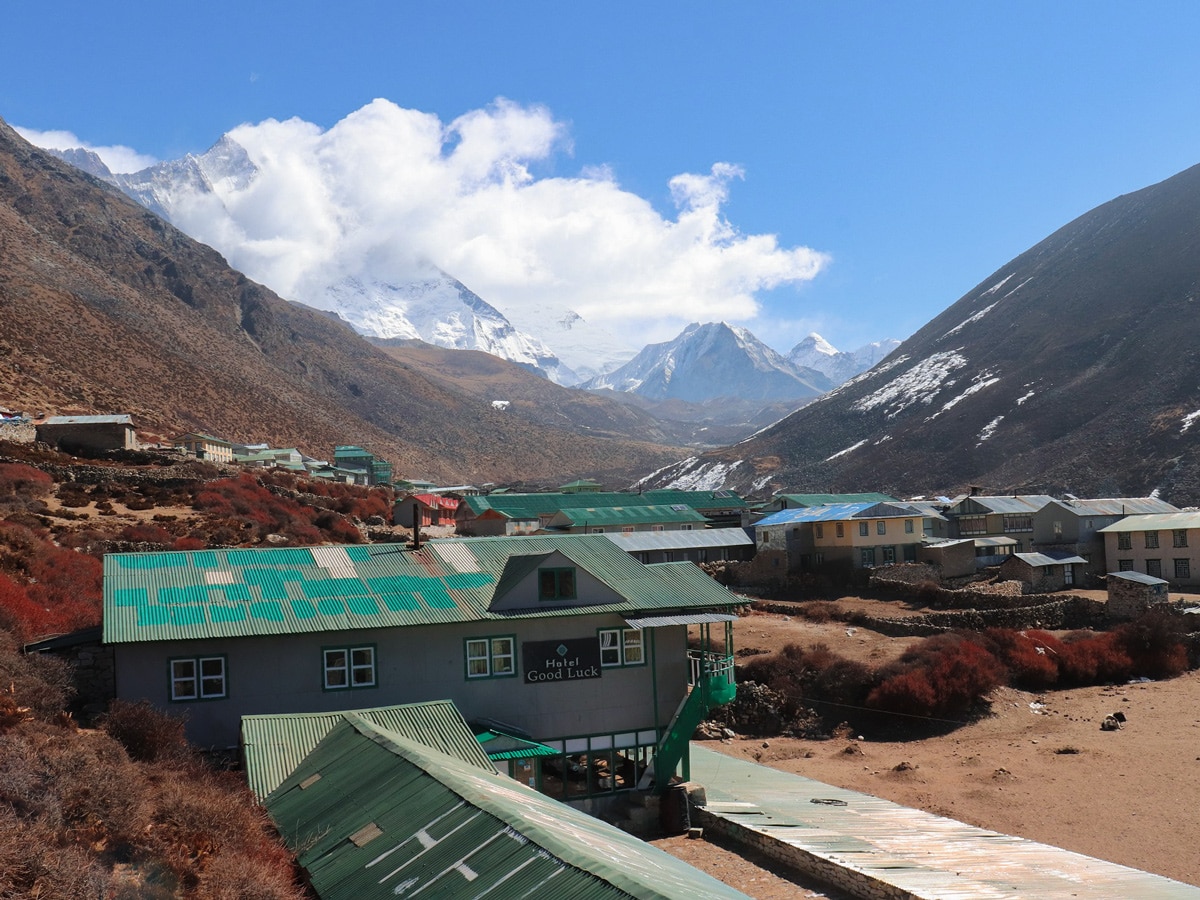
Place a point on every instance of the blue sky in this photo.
(915, 146)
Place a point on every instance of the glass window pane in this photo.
(633, 648)
(566, 583)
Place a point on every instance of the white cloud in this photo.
(118, 158)
(387, 188)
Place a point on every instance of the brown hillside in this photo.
(106, 308)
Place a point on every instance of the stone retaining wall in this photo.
(1063, 613)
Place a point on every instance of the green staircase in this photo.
(712, 686)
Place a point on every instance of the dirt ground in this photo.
(1039, 766)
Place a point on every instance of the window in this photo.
(1019, 523)
(1179, 537)
(889, 555)
(599, 530)
(841, 529)
(656, 527)
(972, 525)
(766, 537)
(864, 528)
(198, 678)
(819, 530)
(1124, 540)
(621, 647)
(881, 527)
(556, 584)
(868, 557)
(1124, 565)
(686, 526)
(1183, 568)
(491, 657)
(1154, 567)
(1151, 540)
(908, 526)
(347, 668)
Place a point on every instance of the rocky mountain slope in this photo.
(1074, 367)
(839, 366)
(104, 307)
(712, 361)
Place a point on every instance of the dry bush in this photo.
(1032, 657)
(34, 862)
(1088, 658)
(945, 675)
(42, 684)
(1155, 644)
(146, 733)
(239, 876)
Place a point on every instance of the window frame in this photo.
(490, 656)
(1151, 540)
(559, 593)
(198, 678)
(621, 646)
(1156, 565)
(841, 529)
(1183, 568)
(864, 529)
(1179, 537)
(881, 526)
(350, 667)
(1124, 540)
(909, 526)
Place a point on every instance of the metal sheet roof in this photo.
(273, 745)
(683, 619)
(235, 593)
(1045, 559)
(1119, 506)
(830, 499)
(1139, 577)
(499, 745)
(995, 542)
(1160, 521)
(1020, 504)
(372, 814)
(836, 512)
(696, 539)
(89, 420)
(625, 515)
(906, 852)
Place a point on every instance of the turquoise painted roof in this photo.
(523, 506)
(235, 593)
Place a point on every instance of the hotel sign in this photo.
(569, 660)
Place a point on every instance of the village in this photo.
(570, 643)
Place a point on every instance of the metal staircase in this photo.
(712, 685)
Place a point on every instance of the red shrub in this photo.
(145, 533)
(1088, 658)
(943, 675)
(1032, 657)
(1155, 644)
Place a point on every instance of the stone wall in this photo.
(93, 675)
(19, 431)
(1063, 613)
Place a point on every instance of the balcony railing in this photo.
(706, 664)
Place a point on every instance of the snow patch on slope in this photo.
(978, 383)
(989, 429)
(918, 384)
(1188, 420)
(849, 449)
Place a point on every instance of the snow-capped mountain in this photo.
(706, 362)
(433, 307)
(814, 352)
(439, 310)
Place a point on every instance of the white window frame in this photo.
(202, 673)
(621, 647)
(497, 653)
(357, 668)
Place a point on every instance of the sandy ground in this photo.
(1039, 766)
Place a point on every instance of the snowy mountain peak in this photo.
(839, 366)
(709, 361)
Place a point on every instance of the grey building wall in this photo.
(283, 674)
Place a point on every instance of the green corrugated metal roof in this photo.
(273, 745)
(371, 814)
(696, 499)
(499, 746)
(829, 499)
(234, 593)
(625, 515)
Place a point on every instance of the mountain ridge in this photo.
(1073, 367)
